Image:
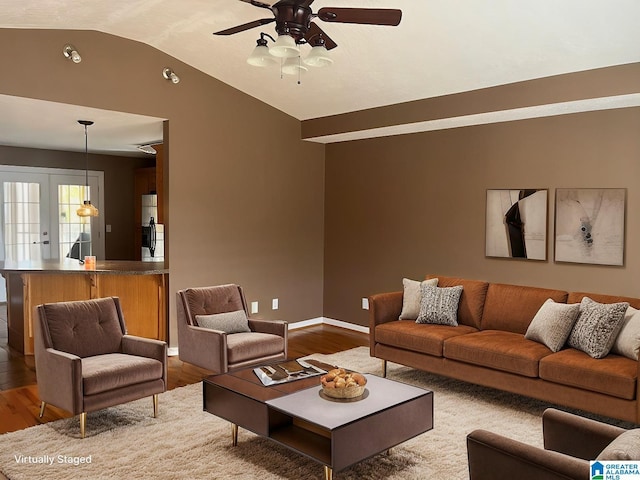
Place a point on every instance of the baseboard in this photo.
(173, 351)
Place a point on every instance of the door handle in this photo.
(46, 242)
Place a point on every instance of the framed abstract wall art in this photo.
(590, 225)
(516, 223)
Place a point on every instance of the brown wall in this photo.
(118, 171)
(410, 205)
(245, 194)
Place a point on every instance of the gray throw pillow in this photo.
(627, 342)
(230, 322)
(625, 447)
(439, 305)
(411, 297)
(552, 324)
(597, 326)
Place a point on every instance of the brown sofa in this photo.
(489, 348)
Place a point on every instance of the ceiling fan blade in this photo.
(255, 3)
(370, 16)
(315, 31)
(246, 26)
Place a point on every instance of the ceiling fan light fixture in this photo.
(293, 66)
(261, 57)
(318, 57)
(284, 47)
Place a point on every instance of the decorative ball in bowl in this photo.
(340, 383)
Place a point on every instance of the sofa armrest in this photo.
(383, 308)
(493, 456)
(59, 377)
(148, 348)
(576, 436)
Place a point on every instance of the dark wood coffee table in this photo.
(335, 433)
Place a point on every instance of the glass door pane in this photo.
(21, 221)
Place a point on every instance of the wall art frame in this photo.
(590, 225)
(516, 223)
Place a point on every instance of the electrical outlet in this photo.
(365, 303)
(274, 304)
(254, 307)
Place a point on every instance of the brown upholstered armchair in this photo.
(570, 441)
(85, 361)
(216, 348)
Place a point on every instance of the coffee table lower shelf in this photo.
(334, 434)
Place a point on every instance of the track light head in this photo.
(70, 52)
(169, 74)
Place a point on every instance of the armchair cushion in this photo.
(624, 447)
(229, 322)
(84, 328)
(102, 373)
(247, 346)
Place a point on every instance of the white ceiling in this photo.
(440, 47)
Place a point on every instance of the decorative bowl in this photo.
(340, 383)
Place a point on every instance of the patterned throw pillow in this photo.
(439, 305)
(411, 297)
(230, 322)
(553, 323)
(597, 327)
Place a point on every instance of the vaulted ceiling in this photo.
(440, 47)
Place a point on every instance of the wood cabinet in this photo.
(141, 287)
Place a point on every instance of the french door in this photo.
(38, 219)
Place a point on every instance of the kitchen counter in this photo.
(141, 287)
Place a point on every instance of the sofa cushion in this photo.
(627, 342)
(612, 375)
(411, 296)
(552, 324)
(597, 326)
(416, 337)
(511, 308)
(471, 301)
(506, 351)
(624, 447)
(245, 346)
(439, 305)
(229, 322)
(102, 373)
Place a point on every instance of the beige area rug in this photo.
(186, 443)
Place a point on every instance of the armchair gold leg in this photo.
(42, 407)
(234, 434)
(155, 406)
(384, 369)
(328, 473)
(83, 423)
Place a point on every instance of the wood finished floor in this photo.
(19, 403)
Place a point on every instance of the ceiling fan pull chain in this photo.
(299, 68)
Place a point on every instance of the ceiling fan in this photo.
(295, 25)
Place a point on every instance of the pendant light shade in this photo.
(260, 57)
(318, 57)
(86, 209)
(293, 66)
(285, 47)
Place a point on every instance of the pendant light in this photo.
(86, 209)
